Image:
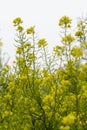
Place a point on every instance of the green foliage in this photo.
(43, 91)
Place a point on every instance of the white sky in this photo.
(44, 14)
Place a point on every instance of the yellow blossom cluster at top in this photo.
(17, 21)
(65, 21)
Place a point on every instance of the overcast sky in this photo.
(44, 14)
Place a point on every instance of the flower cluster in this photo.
(68, 39)
(31, 30)
(76, 52)
(79, 33)
(42, 43)
(17, 21)
(69, 119)
(65, 21)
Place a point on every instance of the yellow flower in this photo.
(32, 57)
(19, 50)
(47, 98)
(76, 52)
(69, 119)
(17, 21)
(81, 25)
(27, 45)
(65, 83)
(21, 61)
(46, 107)
(11, 86)
(79, 33)
(42, 43)
(66, 21)
(20, 28)
(68, 39)
(57, 50)
(6, 68)
(6, 113)
(31, 30)
(23, 77)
